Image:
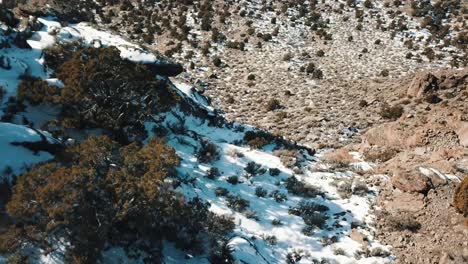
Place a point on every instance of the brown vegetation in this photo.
(107, 194)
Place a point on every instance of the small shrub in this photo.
(251, 77)
(380, 154)
(261, 192)
(276, 222)
(270, 239)
(368, 4)
(320, 53)
(273, 104)
(391, 112)
(250, 214)
(237, 203)
(253, 168)
(213, 173)
(363, 103)
(217, 61)
(403, 221)
(274, 171)
(340, 158)
(294, 186)
(310, 67)
(258, 139)
(278, 196)
(267, 37)
(379, 252)
(312, 213)
(384, 73)
(339, 251)
(207, 151)
(308, 230)
(220, 191)
(233, 180)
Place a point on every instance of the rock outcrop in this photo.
(460, 198)
(422, 83)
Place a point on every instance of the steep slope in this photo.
(284, 202)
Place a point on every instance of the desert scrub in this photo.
(402, 221)
(37, 91)
(278, 196)
(233, 179)
(100, 175)
(312, 213)
(391, 112)
(288, 157)
(237, 203)
(258, 139)
(274, 172)
(207, 151)
(340, 158)
(261, 192)
(377, 154)
(294, 186)
(253, 169)
(220, 191)
(272, 105)
(213, 173)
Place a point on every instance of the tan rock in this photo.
(358, 237)
(462, 134)
(410, 181)
(403, 201)
(422, 83)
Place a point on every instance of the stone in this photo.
(410, 181)
(422, 83)
(358, 237)
(460, 198)
(462, 134)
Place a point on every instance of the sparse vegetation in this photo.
(117, 189)
(391, 112)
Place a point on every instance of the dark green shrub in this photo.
(233, 179)
(207, 151)
(261, 192)
(294, 186)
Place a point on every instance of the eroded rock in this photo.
(410, 181)
(422, 83)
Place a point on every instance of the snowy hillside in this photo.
(282, 212)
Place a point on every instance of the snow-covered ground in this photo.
(14, 158)
(255, 239)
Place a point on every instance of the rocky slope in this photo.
(386, 79)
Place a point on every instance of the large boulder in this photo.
(411, 181)
(422, 83)
(460, 198)
(452, 80)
